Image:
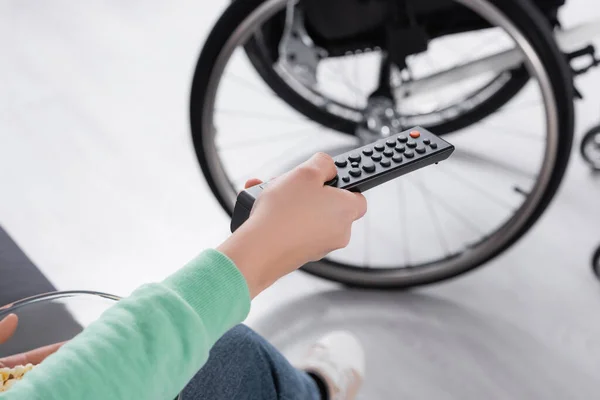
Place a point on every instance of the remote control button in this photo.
(379, 147)
(412, 144)
(354, 165)
(355, 157)
(388, 153)
(355, 172)
(433, 145)
(402, 139)
(369, 167)
(368, 152)
(409, 154)
(426, 141)
(385, 163)
(332, 182)
(420, 149)
(346, 178)
(340, 162)
(400, 148)
(415, 134)
(390, 142)
(397, 158)
(376, 157)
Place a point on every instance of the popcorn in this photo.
(4, 374)
(8, 376)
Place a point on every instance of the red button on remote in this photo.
(415, 134)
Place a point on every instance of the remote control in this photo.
(368, 166)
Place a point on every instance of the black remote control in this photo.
(368, 166)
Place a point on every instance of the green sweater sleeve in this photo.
(149, 345)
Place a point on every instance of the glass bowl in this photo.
(53, 317)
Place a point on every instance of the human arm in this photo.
(149, 345)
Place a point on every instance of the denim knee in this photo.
(239, 335)
(237, 368)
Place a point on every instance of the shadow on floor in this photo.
(422, 347)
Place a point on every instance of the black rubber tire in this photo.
(596, 262)
(526, 18)
(587, 137)
(261, 60)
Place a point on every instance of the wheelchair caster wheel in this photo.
(590, 148)
(596, 263)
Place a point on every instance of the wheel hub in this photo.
(380, 120)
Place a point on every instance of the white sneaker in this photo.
(338, 359)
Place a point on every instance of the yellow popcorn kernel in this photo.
(8, 376)
(19, 370)
(4, 373)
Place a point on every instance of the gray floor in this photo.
(101, 189)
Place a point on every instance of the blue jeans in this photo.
(242, 365)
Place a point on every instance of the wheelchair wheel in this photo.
(596, 262)
(433, 224)
(590, 148)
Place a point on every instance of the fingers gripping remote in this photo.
(368, 166)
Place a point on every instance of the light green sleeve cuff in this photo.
(224, 297)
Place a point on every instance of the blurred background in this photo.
(101, 189)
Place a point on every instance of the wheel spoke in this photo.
(475, 187)
(357, 80)
(367, 251)
(435, 219)
(450, 209)
(470, 156)
(512, 131)
(268, 139)
(403, 214)
(283, 155)
(244, 82)
(262, 115)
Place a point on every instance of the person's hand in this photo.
(295, 220)
(8, 326)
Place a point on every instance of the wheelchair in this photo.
(278, 80)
